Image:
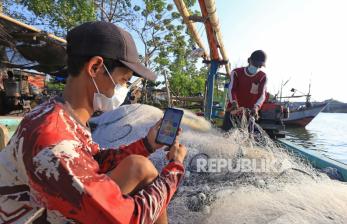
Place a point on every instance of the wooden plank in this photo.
(189, 98)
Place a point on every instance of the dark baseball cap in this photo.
(258, 58)
(107, 40)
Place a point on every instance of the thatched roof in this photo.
(29, 48)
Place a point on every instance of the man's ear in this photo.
(94, 66)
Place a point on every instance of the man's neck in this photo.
(77, 98)
(248, 73)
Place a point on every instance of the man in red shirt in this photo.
(52, 171)
(247, 87)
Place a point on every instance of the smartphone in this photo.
(169, 126)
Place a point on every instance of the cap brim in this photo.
(140, 70)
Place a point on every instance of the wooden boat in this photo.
(303, 115)
(317, 160)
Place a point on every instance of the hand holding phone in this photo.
(169, 127)
(177, 152)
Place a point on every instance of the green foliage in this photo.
(58, 16)
(189, 3)
(62, 14)
(55, 86)
(184, 84)
(156, 23)
(167, 46)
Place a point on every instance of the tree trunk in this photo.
(169, 104)
(102, 10)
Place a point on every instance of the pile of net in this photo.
(230, 177)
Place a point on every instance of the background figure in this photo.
(247, 88)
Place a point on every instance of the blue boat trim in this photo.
(315, 158)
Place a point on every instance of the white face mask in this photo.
(100, 101)
(252, 69)
(104, 103)
(120, 93)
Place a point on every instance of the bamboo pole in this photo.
(211, 38)
(16, 22)
(212, 15)
(191, 26)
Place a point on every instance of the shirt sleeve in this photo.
(110, 158)
(261, 99)
(66, 179)
(233, 87)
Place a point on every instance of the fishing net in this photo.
(275, 187)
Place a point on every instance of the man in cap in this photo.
(247, 88)
(52, 171)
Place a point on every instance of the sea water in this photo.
(326, 133)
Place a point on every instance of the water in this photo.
(292, 192)
(327, 133)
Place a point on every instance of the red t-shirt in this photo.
(248, 90)
(52, 162)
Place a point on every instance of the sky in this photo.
(305, 41)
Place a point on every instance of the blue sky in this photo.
(306, 40)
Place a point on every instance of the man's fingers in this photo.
(157, 125)
(179, 132)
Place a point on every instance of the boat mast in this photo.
(281, 90)
(308, 96)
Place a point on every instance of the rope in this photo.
(124, 135)
(118, 119)
(194, 158)
(129, 126)
(295, 169)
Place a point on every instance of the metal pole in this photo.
(210, 88)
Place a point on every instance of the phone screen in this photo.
(169, 126)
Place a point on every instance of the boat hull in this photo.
(301, 118)
(317, 160)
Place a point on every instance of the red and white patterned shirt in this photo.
(51, 162)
